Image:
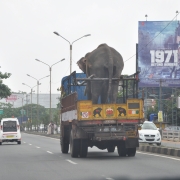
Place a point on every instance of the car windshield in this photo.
(9, 126)
(149, 126)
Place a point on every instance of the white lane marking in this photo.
(37, 147)
(30, 144)
(70, 161)
(57, 139)
(108, 178)
(159, 156)
(24, 142)
(49, 152)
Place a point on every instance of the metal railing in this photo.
(171, 135)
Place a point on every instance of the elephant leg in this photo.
(104, 94)
(95, 91)
(114, 92)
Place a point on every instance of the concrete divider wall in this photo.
(160, 150)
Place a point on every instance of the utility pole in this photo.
(160, 119)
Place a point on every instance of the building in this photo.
(19, 99)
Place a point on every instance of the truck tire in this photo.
(111, 149)
(74, 146)
(64, 146)
(122, 149)
(83, 148)
(131, 152)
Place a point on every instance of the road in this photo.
(39, 158)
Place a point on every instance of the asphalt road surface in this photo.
(40, 158)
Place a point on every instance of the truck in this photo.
(105, 126)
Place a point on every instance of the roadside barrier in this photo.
(171, 135)
(160, 150)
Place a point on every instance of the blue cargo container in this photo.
(69, 86)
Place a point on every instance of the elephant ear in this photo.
(82, 64)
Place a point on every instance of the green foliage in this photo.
(5, 91)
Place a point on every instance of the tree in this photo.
(4, 89)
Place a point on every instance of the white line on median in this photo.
(30, 144)
(49, 152)
(70, 161)
(24, 142)
(37, 147)
(159, 156)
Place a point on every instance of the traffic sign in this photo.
(1, 111)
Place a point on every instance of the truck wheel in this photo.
(111, 149)
(121, 149)
(83, 148)
(131, 152)
(64, 146)
(74, 146)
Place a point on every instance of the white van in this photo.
(10, 130)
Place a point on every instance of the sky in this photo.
(27, 26)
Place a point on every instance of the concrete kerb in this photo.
(160, 150)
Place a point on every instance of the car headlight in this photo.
(140, 134)
(157, 134)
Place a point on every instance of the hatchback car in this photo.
(10, 130)
(149, 133)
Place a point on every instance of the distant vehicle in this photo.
(166, 75)
(149, 133)
(10, 130)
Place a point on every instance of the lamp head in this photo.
(56, 33)
(87, 35)
(62, 59)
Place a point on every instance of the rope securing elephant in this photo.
(103, 62)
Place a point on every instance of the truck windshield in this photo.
(9, 126)
(149, 126)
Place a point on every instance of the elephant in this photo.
(103, 62)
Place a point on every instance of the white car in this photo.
(10, 130)
(149, 133)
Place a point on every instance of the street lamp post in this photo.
(50, 68)
(31, 96)
(71, 46)
(37, 94)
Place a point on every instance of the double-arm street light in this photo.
(37, 93)
(71, 46)
(50, 69)
(31, 96)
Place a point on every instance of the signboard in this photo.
(149, 102)
(23, 112)
(1, 111)
(159, 53)
(160, 116)
(11, 98)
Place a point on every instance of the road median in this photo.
(160, 150)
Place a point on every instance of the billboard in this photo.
(159, 53)
(11, 98)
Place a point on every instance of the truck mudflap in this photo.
(132, 142)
